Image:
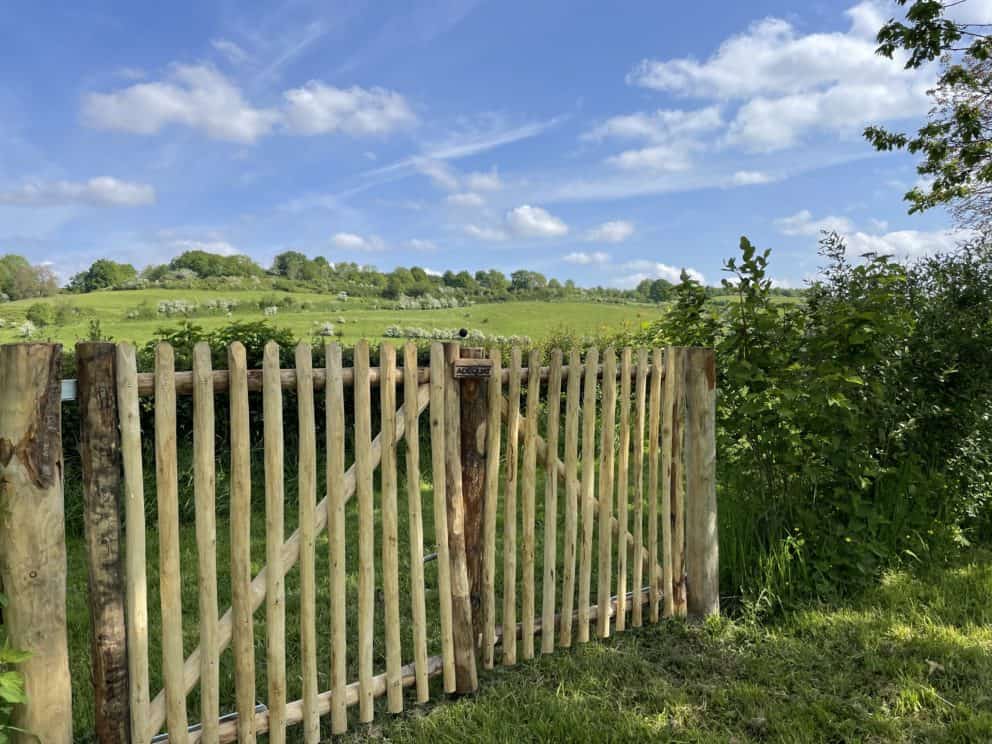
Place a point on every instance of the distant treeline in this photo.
(293, 271)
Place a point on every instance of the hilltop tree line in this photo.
(292, 270)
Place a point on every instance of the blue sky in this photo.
(603, 142)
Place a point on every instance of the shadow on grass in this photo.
(909, 661)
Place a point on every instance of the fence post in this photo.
(32, 535)
(99, 449)
(702, 547)
(466, 679)
(474, 409)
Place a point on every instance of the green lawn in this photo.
(361, 318)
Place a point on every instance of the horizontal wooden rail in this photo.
(184, 380)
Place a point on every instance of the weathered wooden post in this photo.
(466, 678)
(101, 469)
(702, 547)
(473, 401)
(32, 536)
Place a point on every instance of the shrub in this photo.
(40, 314)
(853, 429)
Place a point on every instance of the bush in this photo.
(40, 314)
(854, 430)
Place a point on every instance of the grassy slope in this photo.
(535, 319)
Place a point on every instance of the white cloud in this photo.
(196, 96)
(466, 199)
(484, 181)
(906, 243)
(672, 135)
(203, 98)
(790, 83)
(658, 158)
(534, 222)
(103, 191)
(424, 246)
(661, 126)
(354, 242)
(901, 243)
(615, 231)
(231, 51)
(583, 259)
(802, 223)
(316, 108)
(749, 178)
(975, 11)
(490, 234)
(643, 269)
(439, 172)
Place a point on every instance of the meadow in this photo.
(306, 313)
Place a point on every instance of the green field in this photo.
(361, 318)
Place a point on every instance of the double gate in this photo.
(552, 502)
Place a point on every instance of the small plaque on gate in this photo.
(472, 368)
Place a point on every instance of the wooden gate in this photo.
(622, 450)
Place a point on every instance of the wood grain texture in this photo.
(99, 456)
(572, 488)
(702, 543)
(275, 586)
(390, 528)
(32, 537)
(242, 629)
(366, 530)
(640, 408)
(606, 465)
(437, 417)
(336, 498)
(491, 510)
(667, 482)
(654, 422)
(677, 404)
(418, 602)
(307, 493)
(205, 497)
(510, 508)
(134, 553)
(528, 486)
(466, 679)
(549, 585)
(170, 583)
(623, 480)
(588, 491)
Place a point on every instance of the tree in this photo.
(206, 264)
(102, 274)
(956, 141)
(524, 281)
(20, 280)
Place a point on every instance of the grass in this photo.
(361, 318)
(910, 660)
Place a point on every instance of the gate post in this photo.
(702, 545)
(473, 402)
(32, 536)
(466, 678)
(99, 445)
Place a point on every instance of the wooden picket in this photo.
(612, 464)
